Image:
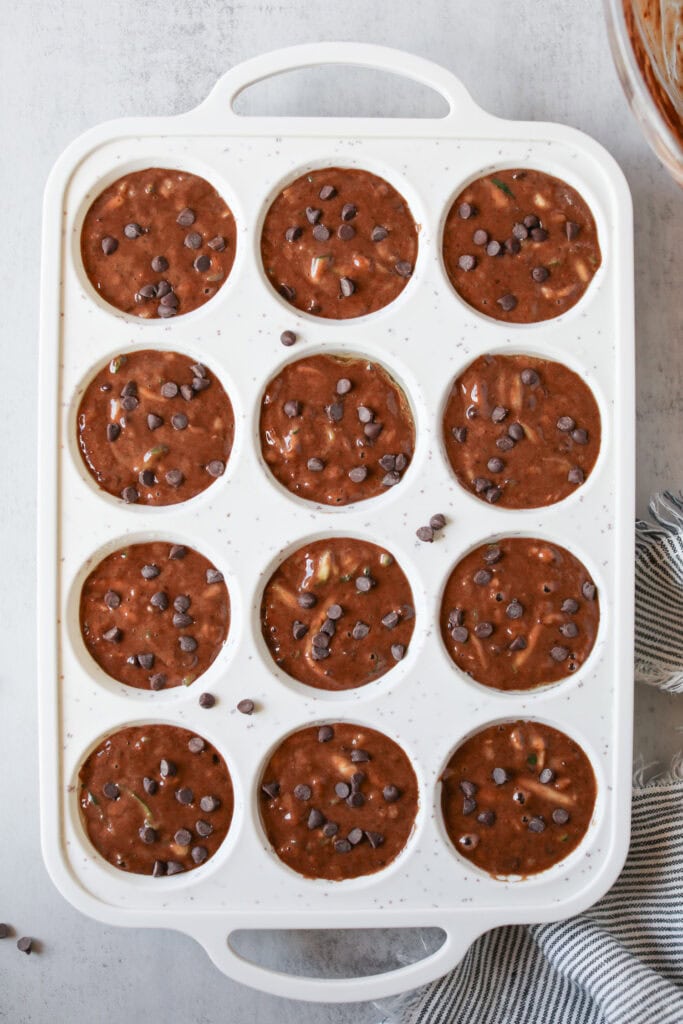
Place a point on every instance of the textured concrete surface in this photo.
(67, 66)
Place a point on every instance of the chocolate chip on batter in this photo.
(342, 846)
(327, 192)
(514, 610)
(480, 237)
(192, 240)
(130, 495)
(487, 818)
(559, 653)
(492, 555)
(315, 819)
(321, 233)
(169, 389)
(293, 234)
(576, 475)
(113, 635)
(292, 408)
(307, 600)
(206, 700)
(467, 262)
(378, 233)
(358, 474)
(529, 377)
(460, 634)
(495, 465)
(183, 837)
(346, 286)
(146, 660)
(215, 468)
(346, 232)
(538, 234)
(483, 630)
(482, 577)
(113, 431)
(536, 824)
(109, 245)
(217, 244)
(112, 600)
(111, 791)
(159, 869)
(147, 478)
(202, 263)
(469, 805)
(315, 465)
(566, 424)
(560, 816)
(494, 248)
(288, 338)
(174, 867)
(342, 789)
(546, 776)
(209, 804)
(335, 412)
(355, 836)
(588, 590)
(132, 230)
(507, 302)
(571, 229)
(148, 834)
(404, 268)
(540, 274)
(299, 629)
(157, 681)
(364, 584)
(465, 211)
(570, 606)
(302, 792)
(579, 436)
(500, 776)
(203, 828)
(398, 652)
(150, 786)
(569, 630)
(325, 734)
(188, 644)
(481, 484)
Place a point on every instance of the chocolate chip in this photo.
(482, 577)
(159, 600)
(288, 338)
(199, 854)
(330, 829)
(335, 412)
(481, 484)
(196, 744)
(512, 245)
(132, 230)
(157, 681)
(186, 217)
(214, 576)
(495, 465)
(520, 232)
(202, 263)
(293, 234)
(167, 769)
(181, 620)
(315, 819)
(188, 644)
(373, 430)
(209, 804)
(575, 475)
(540, 274)
(538, 234)
(342, 789)
(529, 377)
(112, 600)
(456, 617)
(173, 867)
(507, 302)
(492, 555)
(113, 635)
(315, 465)
(215, 468)
(579, 436)
(292, 408)
(569, 630)
(364, 584)
(398, 652)
(342, 846)
(359, 756)
(460, 634)
(111, 791)
(217, 243)
(588, 590)
(147, 478)
(469, 805)
(494, 248)
(113, 431)
(480, 237)
(360, 631)
(307, 600)
(159, 264)
(505, 443)
(425, 534)
(514, 610)
(500, 776)
(536, 825)
(203, 828)
(327, 192)
(302, 792)
(130, 495)
(325, 734)
(487, 818)
(560, 816)
(163, 288)
(246, 707)
(404, 268)
(206, 700)
(499, 414)
(546, 776)
(346, 286)
(146, 661)
(148, 834)
(169, 389)
(346, 232)
(378, 233)
(559, 653)
(159, 869)
(299, 629)
(25, 944)
(467, 262)
(571, 229)
(570, 606)
(465, 211)
(287, 292)
(355, 836)
(483, 630)
(321, 233)
(129, 402)
(192, 240)
(493, 494)
(109, 245)
(531, 221)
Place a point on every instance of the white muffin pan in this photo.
(245, 519)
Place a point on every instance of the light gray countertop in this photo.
(67, 66)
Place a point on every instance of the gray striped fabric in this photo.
(621, 962)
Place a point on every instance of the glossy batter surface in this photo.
(338, 801)
(520, 246)
(519, 613)
(521, 432)
(517, 798)
(154, 615)
(158, 243)
(155, 799)
(155, 428)
(338, 613)
(339, 243)
(335, 429)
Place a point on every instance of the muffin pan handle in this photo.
(340, 990)
(219, 104)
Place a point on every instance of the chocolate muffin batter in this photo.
(337, 613)
(517, 798)
(155, 428)
(335, 429)
(520, 246)
(657, 40)
(154, 615)
(158, 242)
(155, 800)
(339, 243)
(338, 801)
(521, 431)
(519, 613)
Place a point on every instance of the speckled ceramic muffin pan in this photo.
(246, 522)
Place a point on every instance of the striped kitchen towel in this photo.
(621, 962)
